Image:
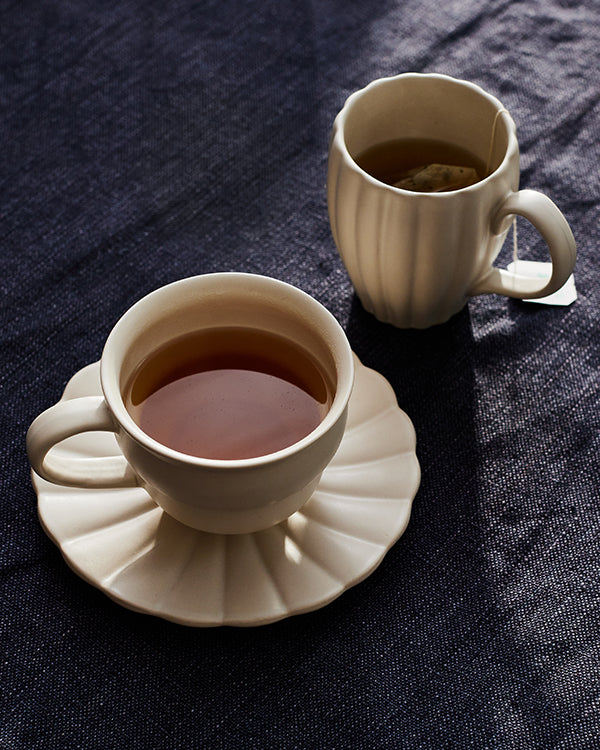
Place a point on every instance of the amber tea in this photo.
(422, 165)
(229, 393)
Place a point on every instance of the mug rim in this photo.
(342, 115)
(337, 345)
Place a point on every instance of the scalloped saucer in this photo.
(120, 541)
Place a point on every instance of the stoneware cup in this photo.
(220, 496)
(415, 258)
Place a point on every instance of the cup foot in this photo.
(238, 521)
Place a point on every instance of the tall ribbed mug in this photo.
(415, 258)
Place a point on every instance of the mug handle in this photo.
(63, 420)
(552, 225)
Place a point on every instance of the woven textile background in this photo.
(142, 142)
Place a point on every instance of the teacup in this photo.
(215, 495)
(416, 257)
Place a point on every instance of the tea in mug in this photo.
(422, 165)
(229, 393)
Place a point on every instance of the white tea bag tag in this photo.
(537, 270)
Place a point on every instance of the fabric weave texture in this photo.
(143, 142)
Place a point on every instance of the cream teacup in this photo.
(216, 495)
(415, 258)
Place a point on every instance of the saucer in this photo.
(120, 541)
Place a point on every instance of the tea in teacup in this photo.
(229, 393)
(422, 165)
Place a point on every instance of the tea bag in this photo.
(437, 178)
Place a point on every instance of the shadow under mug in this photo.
(214, 495)
(415, 258)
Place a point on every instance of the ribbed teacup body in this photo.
(414, 257)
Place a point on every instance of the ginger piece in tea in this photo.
(437, 178)
(422, 165)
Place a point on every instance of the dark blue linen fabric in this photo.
(142, 142)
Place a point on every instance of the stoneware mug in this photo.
(415, 258)
(215, 495)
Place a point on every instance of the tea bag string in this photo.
(502, 111)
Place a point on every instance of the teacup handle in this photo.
(552, 225)
(63, 420)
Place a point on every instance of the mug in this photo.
(415, 258)
(214, 495)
